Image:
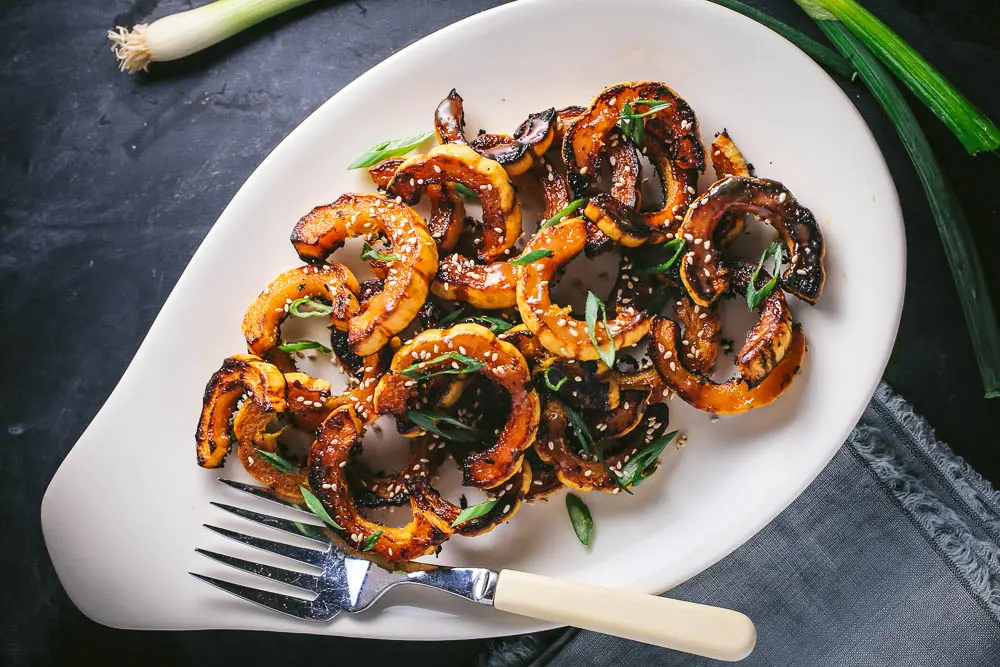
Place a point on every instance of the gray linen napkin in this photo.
(890, 557)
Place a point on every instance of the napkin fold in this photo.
(890, 557)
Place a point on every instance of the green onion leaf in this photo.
(369, 253)
(655, 106)
(277, 462)
(631, 125)
(548, 381)
(972, 127)
(821, 54)
(299, 345)
(316, 507)
(644, 464)
(579, 516)
(959, 245)
(465, 191)
(532, 256)
(474, 512)
(675, 245)
(495, 324)
(587, 444)
(451, 317)
(593, 306)
(756, 296)
(316, 308)
(390, 148)
(444, 426)
(460, 364)
(370, 541)
(569, 209)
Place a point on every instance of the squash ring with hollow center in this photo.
(503, 365)
(487, 178)
(326, 228)
(337, 441)
(556, 328)
(703, 274)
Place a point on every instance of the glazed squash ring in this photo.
(727, 160)
(449, 119)
(508, 500)
(557, 330)
(461, 164)
(503, 365)
(326, 228)
(677, 186)
(733, 396)
(239, 374)
(619, 222)
(585, 140)
(768, 340)
(705, 277)
(331, 284)
(447, 206)
(338, 438)
(494, 286)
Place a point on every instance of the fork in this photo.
(347, 583)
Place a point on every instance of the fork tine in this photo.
(312, 610)
(309, 582)
(266, 494)
(308, 530)
(303, 555)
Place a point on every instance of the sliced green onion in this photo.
(579, 516)
(389, 148)
(460, 364)
(184, 33)
(562, 213)
(532, 256)
(474, 512)
(587, 444)
(451, 317)
(554, 386)
(676, 245)
(756, 296)
(644, 464)
(595, 305)
(821, 54)
(316, 308)
(369, 253)
(276, 461)
(631, 125)
(316, 507)
(444, 426)
(300, 345)
(465, 191)
(972, 127)
(370, 541)
(655, 106)
(959, 246)
(495, 324)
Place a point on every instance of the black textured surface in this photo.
(108, 183)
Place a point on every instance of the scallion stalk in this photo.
(959, 246)
(972, 127)
(821, 54)
(184, 33)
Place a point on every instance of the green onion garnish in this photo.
(675, 245)
(594, 305)
(279, 463)
(532, 256)
(586, 440)
(370, 541)
(444, 426)
(316, 507)
(369, 253)
(460, 364)
(756, 296)
(579, 516)
(451, 317)
(390, 148)
(644, 464)
(494, 324)
(554, 386)
(631, 125)
(562, 213)
(474, 512)
(299, 345)
(465, 191)
(316, 308)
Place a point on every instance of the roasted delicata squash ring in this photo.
(705, 277)
(544, 481)
(239, 374)
(332, 284)
(678, 185)
(769, 339)
(383, 489)
(503, 365)
(729, 397)
(619, 222)
(556, 328)
(584, 472)
(508, 500)
(447, 206)
(727, 160)
(702, 329)
(337, 440)
(325, 229)
(461, 164)
(585, 140)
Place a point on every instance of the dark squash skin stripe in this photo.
(449, 119)
(517, 154)
(705, 278)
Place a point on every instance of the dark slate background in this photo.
(108, 183)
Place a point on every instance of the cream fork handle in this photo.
(713, 632)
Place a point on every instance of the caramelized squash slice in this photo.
(383, 489)
(447, 206)
(727, 160)
(326, 228)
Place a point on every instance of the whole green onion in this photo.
(972, 127)
(182, 34)
(959, 246)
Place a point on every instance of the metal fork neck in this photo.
(472, 583)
